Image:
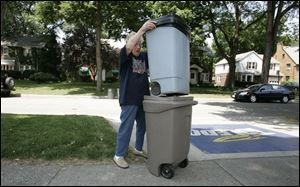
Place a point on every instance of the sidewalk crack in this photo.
(54, 176)
(215, 161)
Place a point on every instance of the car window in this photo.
(266, 87)
(254, 87)
(276, 87)
(283, 88)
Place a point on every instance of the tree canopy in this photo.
(236, 26)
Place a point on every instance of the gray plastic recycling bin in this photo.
(168, 128)
(169, 56)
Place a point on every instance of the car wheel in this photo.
(253, 98)
(285, 99)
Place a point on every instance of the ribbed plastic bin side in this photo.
(169, 56)
(168, 127)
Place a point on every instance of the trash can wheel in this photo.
(167, 171)
(184, 163)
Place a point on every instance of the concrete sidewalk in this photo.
(274, 171)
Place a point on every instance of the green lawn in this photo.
(89, 89)
(62, 88)
(210, 92)
(50, 137)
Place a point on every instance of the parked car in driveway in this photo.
(7, 85)
(264, 92)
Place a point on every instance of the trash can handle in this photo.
(177, 105)
(168, 106)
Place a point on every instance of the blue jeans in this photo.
(129, 114)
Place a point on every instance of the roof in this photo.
(273, 60)
(238, 57)
(293, 53)
(25, 41)
(7, 62)
(196, 67)
(242, 56)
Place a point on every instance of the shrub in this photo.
(41, 77)
(12, 73)
(27, 73)
(110, 79)
(242, 84)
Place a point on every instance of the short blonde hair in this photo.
(132, 34)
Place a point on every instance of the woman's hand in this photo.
(148, 25)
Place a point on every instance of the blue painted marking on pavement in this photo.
(240, 138)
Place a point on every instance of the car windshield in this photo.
(254, 87)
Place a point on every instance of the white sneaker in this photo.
(120, 162)
(139, 153)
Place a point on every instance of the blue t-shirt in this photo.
(134, 82)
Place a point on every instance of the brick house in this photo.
(289, 62)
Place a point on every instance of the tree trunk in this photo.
(273, 23)
(231, 80)
(269, 42)
(3, 13)
(98, 48)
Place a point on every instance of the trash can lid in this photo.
(173, 21)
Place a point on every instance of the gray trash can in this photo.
(168, 127)
(169, 56)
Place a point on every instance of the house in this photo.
(198, 75)
(201, 74)
(248, 69)
(9, 54)
(289, 62)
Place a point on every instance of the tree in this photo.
(16, 19)
(98, 46)
(275, 12)
(3, 12)
(193, 13)
(108, 18)
(228, 21)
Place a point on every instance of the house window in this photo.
(27, 52)
(5, 51)
(283, 56)
(287, 78)
(243, 78)
(192, 75)
(223, 66)
(272, 67)
(247, 78)
(205, 77)
(251, 65)
(288, 67)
